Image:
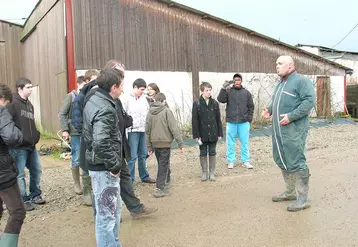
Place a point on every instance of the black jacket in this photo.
(10, 136)
(125, 121)
(101, 133)
(22, 113)
(206, 120)
(239, 104)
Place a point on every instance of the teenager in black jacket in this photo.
(26, 155)
(207, 129)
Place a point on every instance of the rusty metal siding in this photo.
(45, 64)
(10, 53)
(151, 35)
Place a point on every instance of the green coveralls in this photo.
(295, 97)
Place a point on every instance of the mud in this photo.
(236, 210)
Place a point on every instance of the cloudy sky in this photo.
(315, 22)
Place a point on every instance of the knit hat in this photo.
(237, 75)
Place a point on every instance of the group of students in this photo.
(108, 137)
(97, 125)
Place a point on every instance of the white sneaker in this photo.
(230, 165)
(247, 165)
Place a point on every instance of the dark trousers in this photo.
(15, 205)
(163, 159)
(82, 159)
(127, 193)
(208, 148)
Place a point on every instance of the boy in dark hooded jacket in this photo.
(161, 129)
(10, 136)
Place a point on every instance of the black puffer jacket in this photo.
(239, 104)
(101, 133)
(10, 136)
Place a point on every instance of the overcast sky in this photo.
(315, 22)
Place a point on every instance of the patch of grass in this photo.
(56, 154)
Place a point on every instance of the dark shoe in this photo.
(29, 206)
(149, 181)
(160, 193)
(143, 212)
(38, 200)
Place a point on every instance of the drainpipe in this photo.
(70, 51)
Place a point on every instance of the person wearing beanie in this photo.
(239, 114)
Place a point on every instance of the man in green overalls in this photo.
(292, 101)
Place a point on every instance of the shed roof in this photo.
(251, 32)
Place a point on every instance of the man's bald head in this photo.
(285, 66)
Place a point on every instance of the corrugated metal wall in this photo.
(45, 64)
(150, 35)
(10, 53)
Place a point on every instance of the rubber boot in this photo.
(9, 240)
(87, 190)
(302, 179)
(204, 168)
(76, 178)
(212, 165)
(290, 193)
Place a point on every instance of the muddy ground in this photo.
(236, 210)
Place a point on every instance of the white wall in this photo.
(337, 92)
(260, 85)
(353, 64)
(35, 101)
(177, 86)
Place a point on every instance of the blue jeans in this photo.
(75, 152)
(138, 145)
(241, 131)
(108, 205)
(31, 160)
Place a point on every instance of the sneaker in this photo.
(143, 212)
(29, 206)
(38, 200)
(160, 193)
(230, 165)
(247, 165)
